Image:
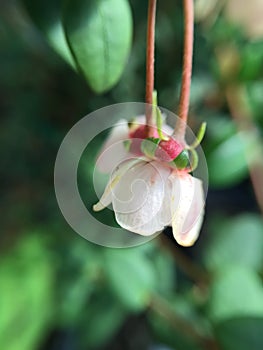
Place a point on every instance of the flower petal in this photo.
(113, 150)
(187, 208)
(112, 183)
(138, 198)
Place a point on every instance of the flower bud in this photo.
(168, 150)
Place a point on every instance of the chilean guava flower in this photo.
(150, 186)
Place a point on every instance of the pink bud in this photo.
(168, 150)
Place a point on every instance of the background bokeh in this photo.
(60, 292)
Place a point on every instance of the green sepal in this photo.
(157, 117)
(149, 146)
(194, 160)
(159, 123)
(127, 144)
(182, 161)
(199, 137)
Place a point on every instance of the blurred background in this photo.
(60, 292)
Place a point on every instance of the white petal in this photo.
(112, 183)
(165, 214)
(187, 208)
(163, 218)
(138, 198)
(113, 150)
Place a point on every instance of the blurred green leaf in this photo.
(26, 298)
(235, 241)
(165, 272)
(46, 15)
(227, 163)
(236, 291)
(102, 318)
(131, 276)
(99, 33)
(251, 60)
(223, 30)
(79, 271)
(218, 122)
(254, 98)
(240, 333)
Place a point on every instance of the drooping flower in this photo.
(150, 186)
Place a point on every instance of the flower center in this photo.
(168, 151)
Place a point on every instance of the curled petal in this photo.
(113, 182)
(138, 198)
(187, 204)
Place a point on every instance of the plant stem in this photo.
(187, 63)
(193, 271)
(161, 307)
(150, 64)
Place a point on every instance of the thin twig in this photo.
(150, 64)
(187, 63)
(193, 271)
(160, 306)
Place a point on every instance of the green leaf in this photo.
(99, 33)
(235, 292)
(26, 299)
(78, 270)
(222, 123)
(236, 241)
(46, 15)
(240, 333)
(131, 277)
(165, 271)
(254, 98)
(101, 320)
(227, 163)
(251, 61)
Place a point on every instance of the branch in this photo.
(160, 306)
(193, 271)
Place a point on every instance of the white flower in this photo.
(147, 195)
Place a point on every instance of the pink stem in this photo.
(187, 62)
(150, 64)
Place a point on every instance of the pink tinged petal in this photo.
(138, 198)
(113, 150)
(187, 205)
(115, 178)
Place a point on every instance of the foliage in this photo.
(54, 282)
